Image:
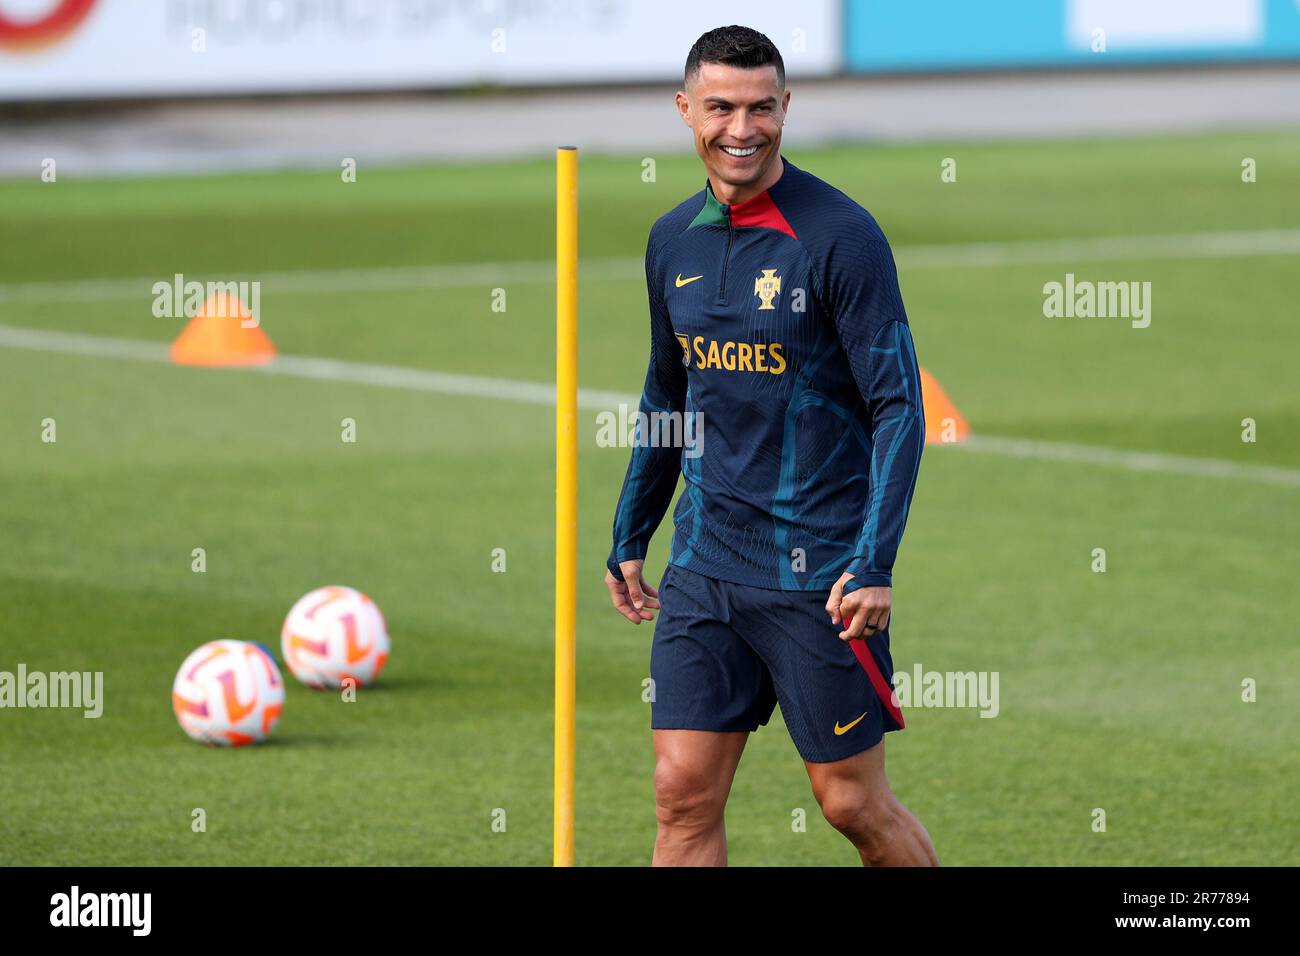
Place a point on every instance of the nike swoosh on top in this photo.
(681, 282)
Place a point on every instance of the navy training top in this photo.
(783, 386)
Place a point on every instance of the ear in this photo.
(684, 107)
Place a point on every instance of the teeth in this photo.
(735, 151)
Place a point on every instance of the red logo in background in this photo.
(26, 35)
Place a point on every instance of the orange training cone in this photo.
(943, 423)
(218, 336)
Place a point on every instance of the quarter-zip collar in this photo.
(758, 210)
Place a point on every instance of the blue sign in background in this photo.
(897, 35)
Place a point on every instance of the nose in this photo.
(741, 127)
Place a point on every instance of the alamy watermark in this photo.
(79, 690)
(922, 688)
(625, 429)
(75, 908)
(180, 298)
(1086, 299)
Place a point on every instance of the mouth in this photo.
(739, 152)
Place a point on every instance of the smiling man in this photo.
(777, 323)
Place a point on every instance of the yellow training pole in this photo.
(566, 494)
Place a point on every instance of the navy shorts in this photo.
(725, 654)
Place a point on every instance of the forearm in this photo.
(648, 489)
(898, 439)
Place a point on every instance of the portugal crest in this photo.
(767, 287)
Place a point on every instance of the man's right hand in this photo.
(633, 597)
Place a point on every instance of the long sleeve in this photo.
(652, 473)
(875, 335)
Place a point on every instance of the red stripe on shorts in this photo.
(883, 690)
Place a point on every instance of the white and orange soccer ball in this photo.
(333, 634)
(228, 693)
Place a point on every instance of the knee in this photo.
(686, 797)
(845, 808)
(867, 821)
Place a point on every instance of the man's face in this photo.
(736, 115)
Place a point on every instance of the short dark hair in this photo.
(735, 46)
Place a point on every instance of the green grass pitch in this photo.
(1119, 691)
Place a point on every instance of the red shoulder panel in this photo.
(761, 211)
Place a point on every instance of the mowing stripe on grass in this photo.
(1259, 242)
(537, 393)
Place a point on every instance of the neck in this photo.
(730, 195)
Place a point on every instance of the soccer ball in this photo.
(332, 634)
(228, 693)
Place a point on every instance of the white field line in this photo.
(1260, 242)
(536, 393)
(321, 369)
(1131, 460)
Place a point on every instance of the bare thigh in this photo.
(863, 773)
(698, 764)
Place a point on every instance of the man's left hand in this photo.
(861, 613)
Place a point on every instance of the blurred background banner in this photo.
(75, 49)
(51, 49)
(953, 34)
